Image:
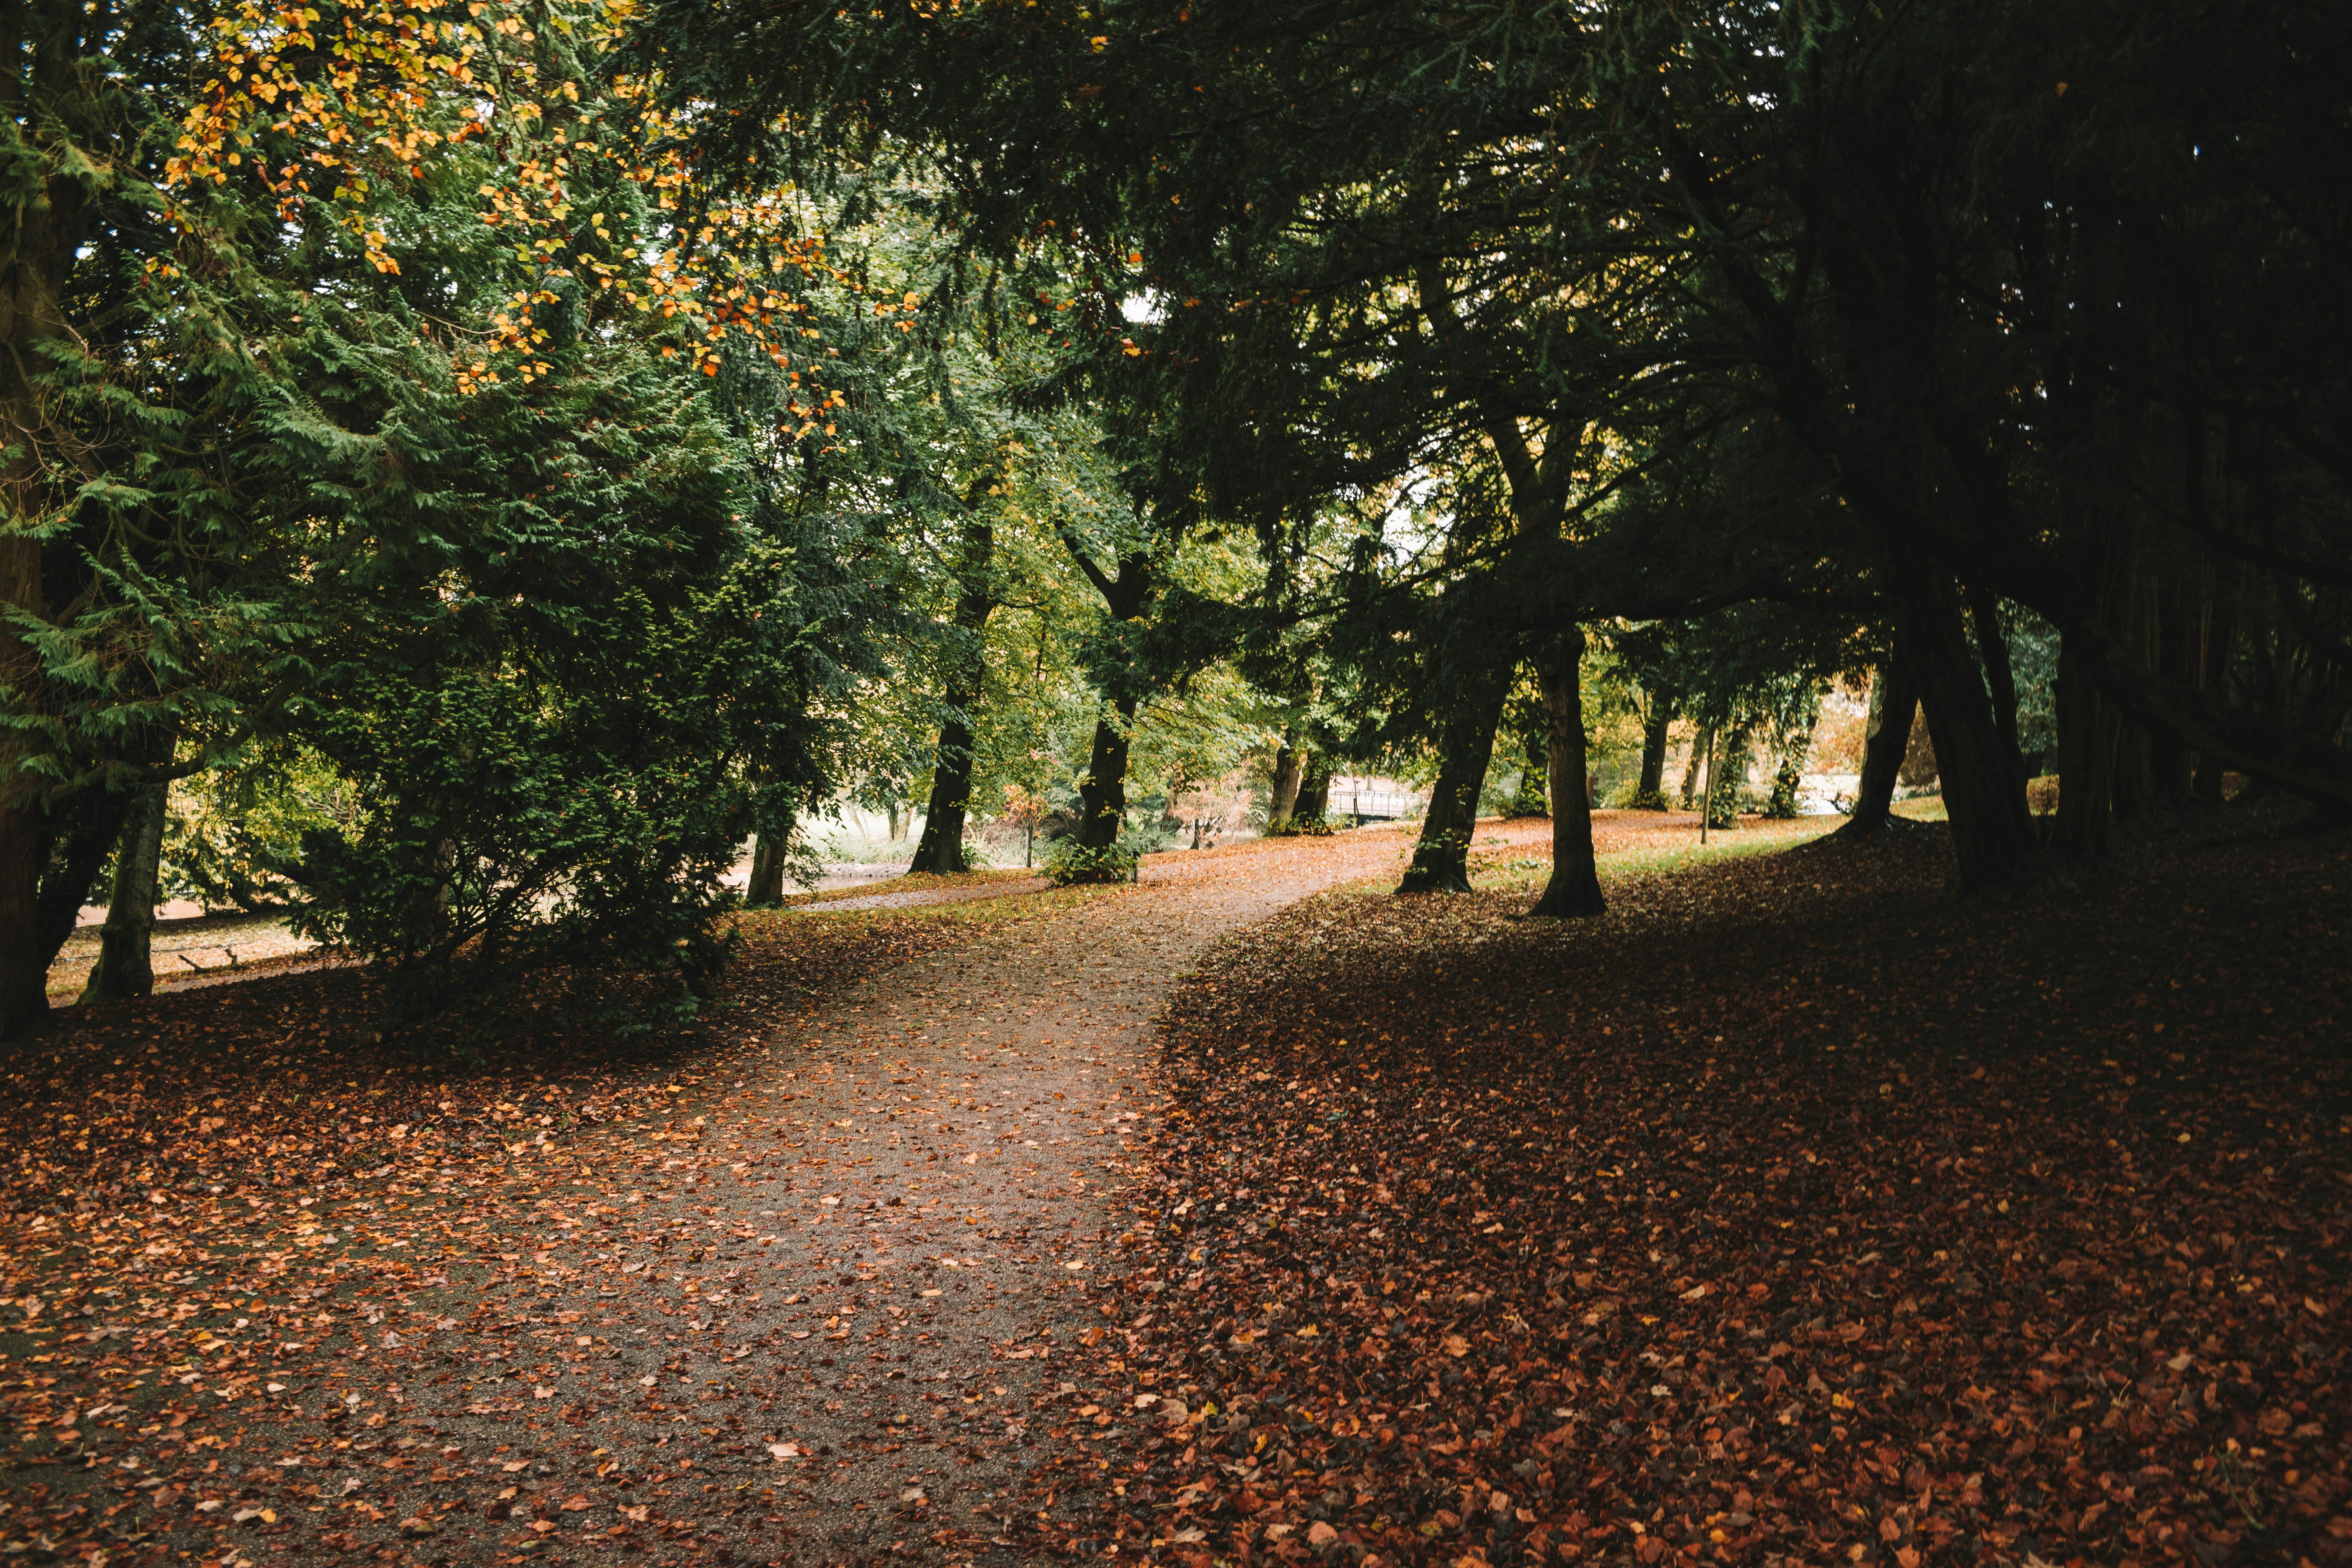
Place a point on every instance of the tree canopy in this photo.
(599, 437)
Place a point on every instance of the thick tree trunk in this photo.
(124, 967)
(48, 214)
(1984, 795)
(1441, 860)
(1289, 762)
(1574, 889)
(1314, 791)
(24, 975)
(766, 889)
(1893, 707)
(2088, 727)
(1650, 795)
(1102, 794)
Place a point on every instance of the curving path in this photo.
(813, 1310)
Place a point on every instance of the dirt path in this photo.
(819, 1310)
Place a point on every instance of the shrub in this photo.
(1067, 861)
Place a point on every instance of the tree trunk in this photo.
(124, 968)
(2219, 644)
(1893, 706)
(1722, 804)
(91, 824)
(1574, 889)
(1289, 762)
(1651, 793)
(941, 849)
(1314, 791)
(1536, 786)
(1441, 860)
(1689, 793)
(1102, 794)
(51, 201)
(1984, 795)
(766, 890)
(2001, 675)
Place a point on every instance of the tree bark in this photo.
(1314, 791)
(2220, 644)
(1656, 732)
(1574, 889)
(2001, 674)
(1102, 794)
(1984, 795)
(1723, 805)
(766, 889)
(1893, 707)
(1289, 762)
(124, 967)
(941, 849)
(1538, 792)
(1700, 738)
(49, 214)
(1441, 860)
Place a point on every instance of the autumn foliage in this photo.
(1788, 1217)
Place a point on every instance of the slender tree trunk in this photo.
(1700, 741)
(95, 828)
(1288, 764)
(1893, 707)
(2219, 644)
(1730, 768)
(941, 849)
(92, 825)
(1650, 795)
(1538, 792)
(2001, 674)
(897, 820)
(1574, 889)
(1102, 794)
(1440, 861)
(1984, 795)
(124, 968)
(2184, 617)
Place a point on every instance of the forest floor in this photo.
(1796, 1212)
(269, 1285)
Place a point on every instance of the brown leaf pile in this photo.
(1791, 1214)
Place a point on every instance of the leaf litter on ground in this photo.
(269, 1284)
(1794, 1212)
